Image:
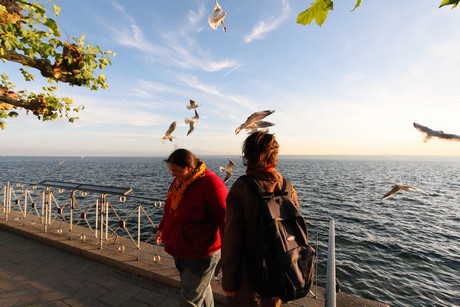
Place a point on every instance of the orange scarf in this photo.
(177, 190)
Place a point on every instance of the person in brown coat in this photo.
(260, 155)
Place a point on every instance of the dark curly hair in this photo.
(260, 150)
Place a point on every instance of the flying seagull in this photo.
(398, 187)
(217, 18)
(258, 125)
(228, 170)
(192, 105)
(255, 117)
(191, 122)
(428, 134)
(168, 134)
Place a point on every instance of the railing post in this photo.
(47, 215)
(97, 219)
(330, 278)
(138, 226)
(72, 204)
(26, 194)
(103, 220)
(106, 206)
(7, 200)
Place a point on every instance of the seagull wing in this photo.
(427, 132)
(411, 188)
(191, 124)
(192, 104)
(257, 116)
(227, 176)
(449, 137)
(263, 124)
(254, 117)
(391, 192)
(196, 117)
(170, 129)
(230, 164)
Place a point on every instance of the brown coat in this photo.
(241, 230)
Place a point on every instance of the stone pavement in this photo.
(34, 274)
(40, 268)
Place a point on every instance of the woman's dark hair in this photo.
(183, 158)
(260, 150)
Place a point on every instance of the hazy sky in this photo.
(353, 86)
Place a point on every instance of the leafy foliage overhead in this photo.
(319, 10)
(29, 37)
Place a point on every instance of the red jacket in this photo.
(196, 230)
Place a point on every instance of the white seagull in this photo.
(191, 122)
(228, 170)
(404, 187)
(254, 117)
(262, 125)
(217, 18)
(168, 134)
(428, 134)
(192, 105)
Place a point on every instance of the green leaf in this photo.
(317, 11)
(454, 3)
(52, 25)
(358, 3)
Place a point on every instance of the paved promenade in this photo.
(34, 274)
(40, 268)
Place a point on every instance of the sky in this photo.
(353, 86)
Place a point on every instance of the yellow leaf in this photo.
(56, 9)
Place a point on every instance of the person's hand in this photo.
(230, 294)
(158, 237)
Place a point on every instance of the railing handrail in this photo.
(101, 216)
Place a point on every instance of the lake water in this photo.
(404, 251)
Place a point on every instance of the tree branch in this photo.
(46, 70)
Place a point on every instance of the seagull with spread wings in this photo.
(228, 170)
(192, 105)
(429, 134)
(253, 118)
(217, 18)
(404, 187)
(168, 134)
(191, 122)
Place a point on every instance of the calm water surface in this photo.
(404, 251)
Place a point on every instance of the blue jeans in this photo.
(195, 280)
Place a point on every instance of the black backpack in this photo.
(283, 265)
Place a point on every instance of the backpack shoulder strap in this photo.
(264, 195)
(287, 187)
(256, 187)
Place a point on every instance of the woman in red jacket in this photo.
(192, 225)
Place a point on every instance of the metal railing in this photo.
(114, 219)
